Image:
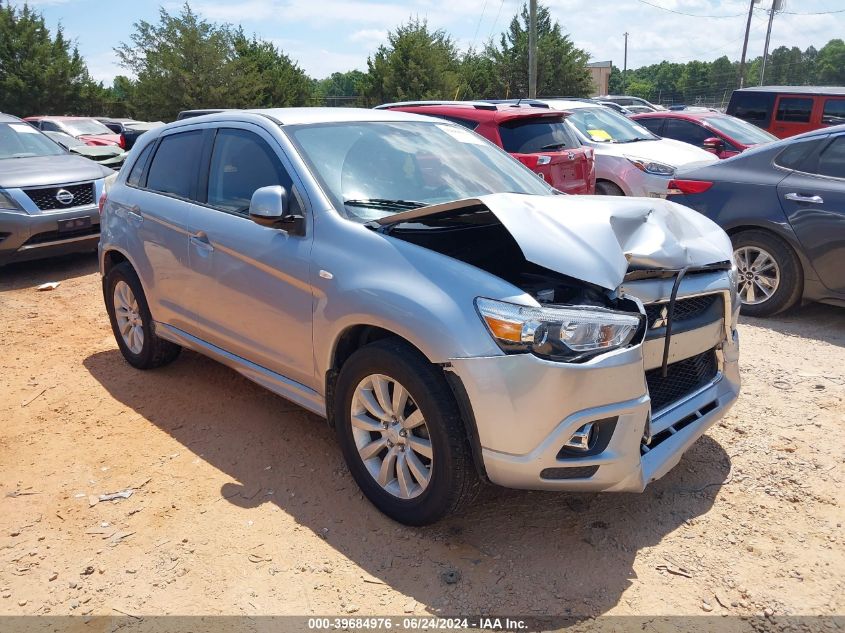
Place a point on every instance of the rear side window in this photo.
(754, 107)
(241, 163)
(796, 154)
(134, 178)
(685, 131)
(832, 159)
(834, 112)
(530, 136)
(652, 124)
(173, 169)
(794, 109)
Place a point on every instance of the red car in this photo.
(718, 133)
(88, 130)
(537, 137)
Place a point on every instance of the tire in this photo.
(605, 188)
(147, 351)
(452, 479)
(789, 280)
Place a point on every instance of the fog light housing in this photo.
(583, 439)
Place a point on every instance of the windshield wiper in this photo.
(639, 138)
(384, 203)
(553, 146)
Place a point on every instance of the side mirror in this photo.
(269, 207)
(713, 144)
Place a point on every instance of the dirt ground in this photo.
(242, 504)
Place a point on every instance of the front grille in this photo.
(45, 198)
(685, 309)
(53, 236)
(682, 378)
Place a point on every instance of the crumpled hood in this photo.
(598, 238)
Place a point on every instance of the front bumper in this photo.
(633, 181)
(25, 237)
(526, 409)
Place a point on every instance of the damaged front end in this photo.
(622, 350)
(571, 259)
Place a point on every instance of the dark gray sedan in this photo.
(783, 206)
(48, 197)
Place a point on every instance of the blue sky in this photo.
(324, 36)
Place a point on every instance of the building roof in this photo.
(606, 64)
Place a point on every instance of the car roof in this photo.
(301, 116)
(679, 114)
(54, 117)
(810, 90)
(8, 118)
(833, 129)
(569, 104)
(476, 111)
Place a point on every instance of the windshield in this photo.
(739, 130)
(530, 136)
(86, 126)
(21, 140)
(375, 169)
(603, 125)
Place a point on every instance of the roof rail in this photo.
(479, 105)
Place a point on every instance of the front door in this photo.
(814, 201)
(250, 282)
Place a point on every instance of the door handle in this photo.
(200, 240)
(134, 214)
(797, 197)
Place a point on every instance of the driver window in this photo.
(242, 162)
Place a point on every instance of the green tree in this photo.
(186, 62)
(830, 63)
(339, 88)
(561, 66)
(40, 73)
(266, 76)
(416, 63)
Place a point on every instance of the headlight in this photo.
(6, 202)
(652, 167)
(571, 333)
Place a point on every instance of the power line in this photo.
(815, 12)
(689, 15)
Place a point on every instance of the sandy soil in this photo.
(242, 504)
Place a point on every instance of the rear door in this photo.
(251, 282)
(548, 147)
(813, 198)
(157, 201)
(793, 115)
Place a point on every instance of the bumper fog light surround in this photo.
(583, 439)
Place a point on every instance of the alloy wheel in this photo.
(759, 274)
(129, 322)
(391, 436)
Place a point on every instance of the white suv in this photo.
(630, 160)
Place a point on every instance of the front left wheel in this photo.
(402, 435)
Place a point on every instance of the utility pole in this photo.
(532, 49)
(625, 64)
(776, 6)
(745, 43)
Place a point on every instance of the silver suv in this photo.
(48, 197)
(453, 317)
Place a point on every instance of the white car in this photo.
(630, 160)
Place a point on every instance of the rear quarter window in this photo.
(754, 107)
(134, 178)
(796, 154)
